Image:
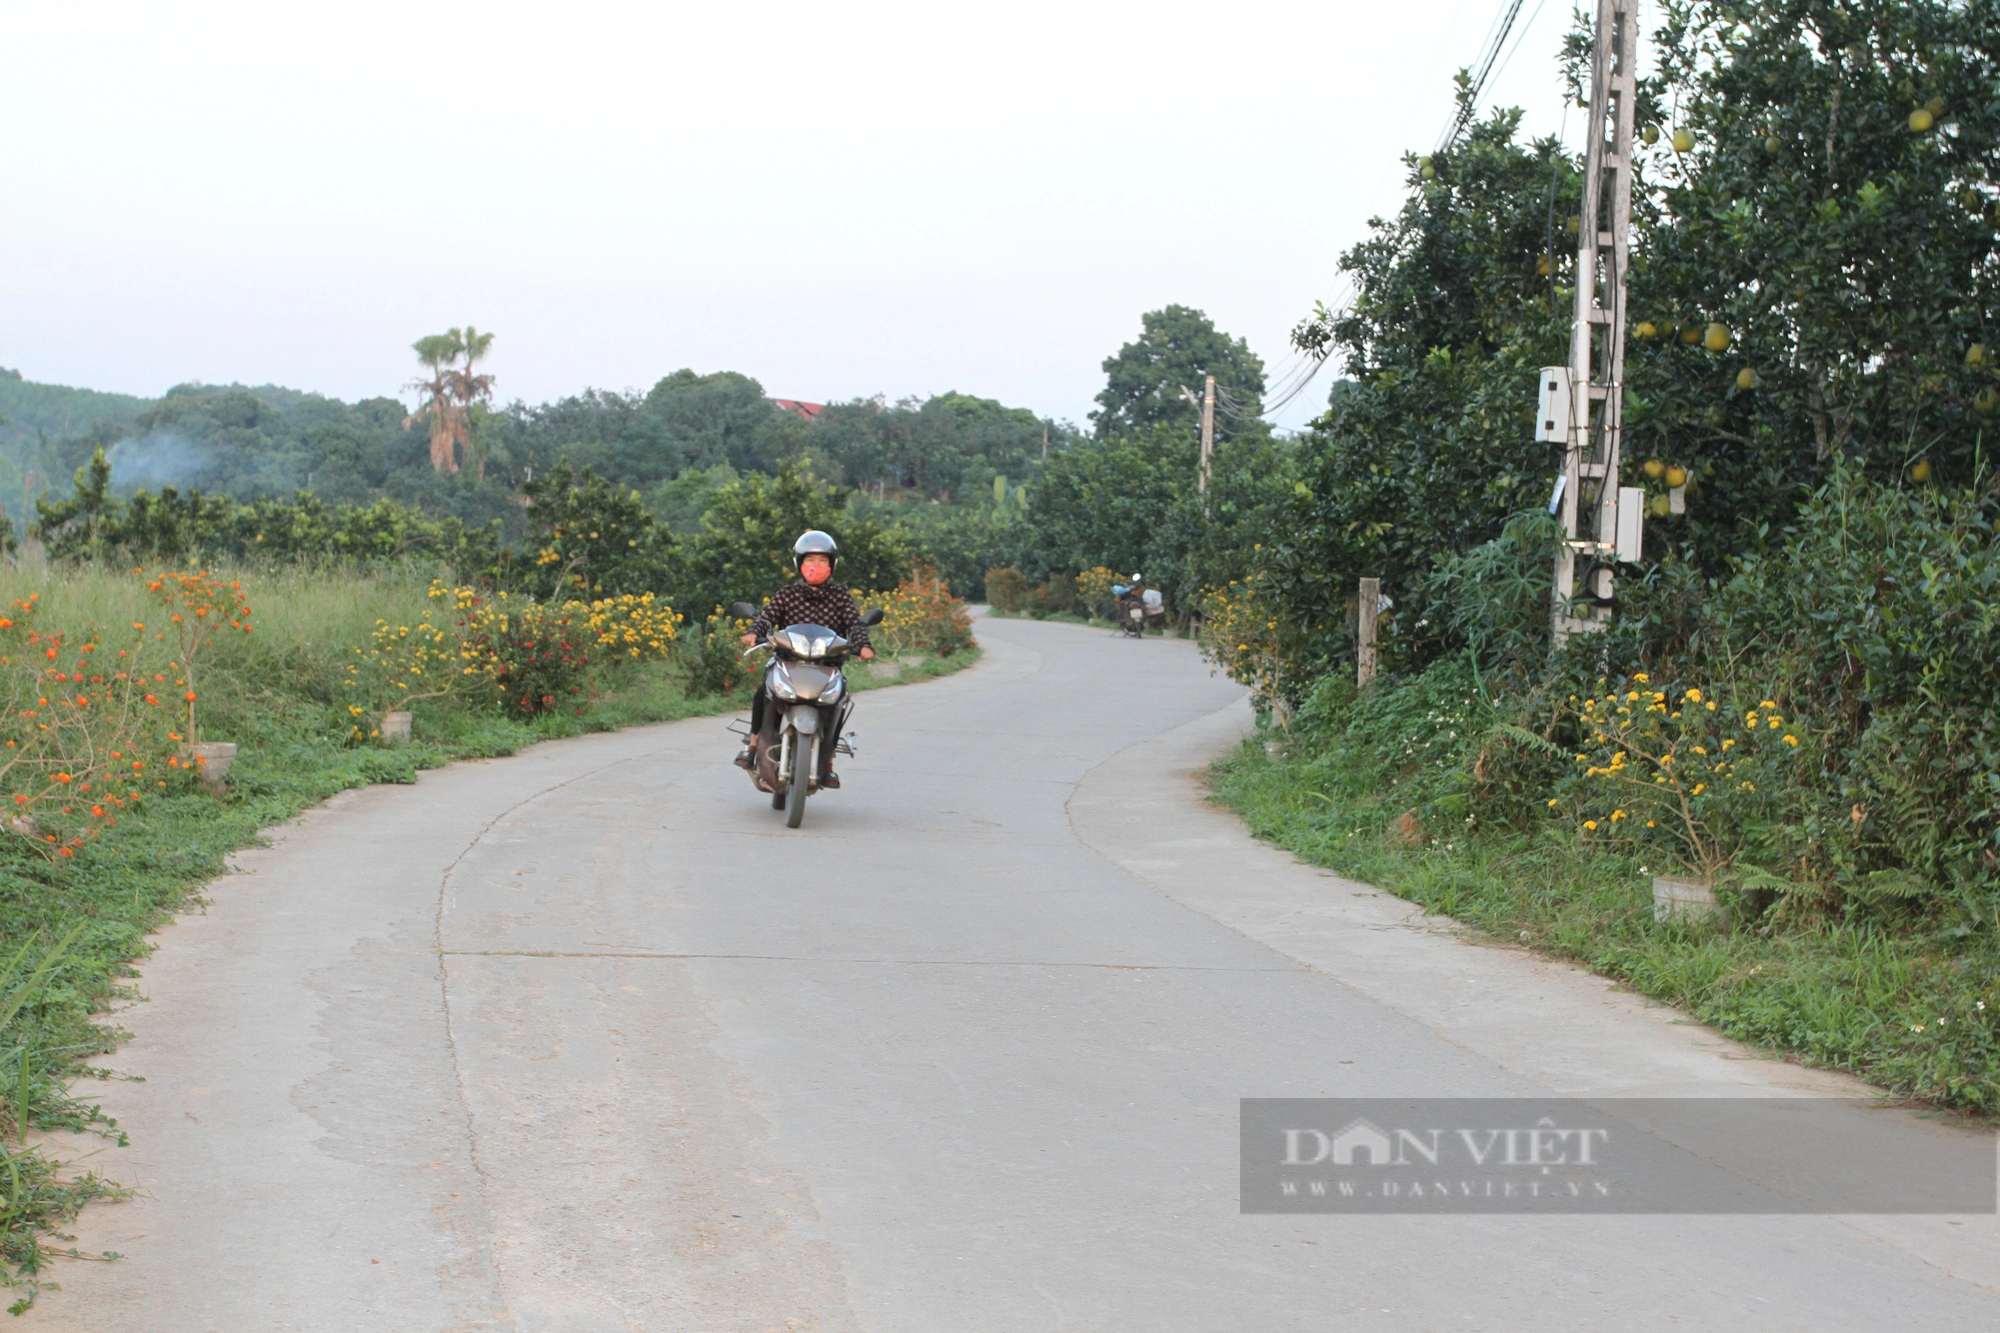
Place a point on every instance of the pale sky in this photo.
(840, 199)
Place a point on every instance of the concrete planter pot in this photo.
(1683, 899)
(212, 761)
(880, 670)
(395, 728)
(913, 662)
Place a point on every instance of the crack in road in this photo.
(887, 962)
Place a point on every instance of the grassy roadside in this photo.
(73, 926)
(1913, 1011)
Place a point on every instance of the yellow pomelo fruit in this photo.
(1645, 329)
(1988, 399)
(1654, 468)
(1651, 134)
(1975, 355)
(1690, 334)
(1746, 379)
(1935, 106)
(1661, 506)
(1716, 339)
(1683, 141)
(1772, 143)
(1920, 120)
(1677, 476)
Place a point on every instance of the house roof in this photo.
(810, 411)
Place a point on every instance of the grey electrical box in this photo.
(1631, 523)
(1552, 415)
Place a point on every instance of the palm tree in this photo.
(437, 352)
(466, 388)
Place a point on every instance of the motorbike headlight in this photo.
(780, 685)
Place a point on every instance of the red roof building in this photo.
(810, 411)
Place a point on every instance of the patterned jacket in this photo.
(829, 604)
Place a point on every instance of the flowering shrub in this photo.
(1240, 632)
(401, 664)
(198, 606)
(639, 627)
(712, 655)
(1685, 774)
(1093, 589)
(84, 732)
(532, 654)
(921, 616)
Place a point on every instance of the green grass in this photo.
(1913, 1008)
(74, 926)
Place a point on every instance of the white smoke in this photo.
(159, 459)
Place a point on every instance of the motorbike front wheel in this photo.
(795, 795)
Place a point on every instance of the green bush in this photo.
(1008, 590)
(710, 656)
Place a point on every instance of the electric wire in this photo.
(1488, 56)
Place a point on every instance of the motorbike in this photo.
(806, 703)
(1137, 605)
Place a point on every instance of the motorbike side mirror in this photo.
(872, 616)
(742, 611)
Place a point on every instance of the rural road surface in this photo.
(586, 1040)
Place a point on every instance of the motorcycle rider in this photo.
(814, 600)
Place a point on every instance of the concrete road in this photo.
(586, 1040)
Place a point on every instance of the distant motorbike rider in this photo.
(814, 600)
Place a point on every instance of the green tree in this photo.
(1835, 217)
(1147, 381)
(1426, 451)
(744, 548)
(591, 538)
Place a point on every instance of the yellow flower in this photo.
(1617, 815)
(1699, 788)
(1642, 678)
(1767, 704)
(1791, 740)
(1711, 705)
(1590, 824)
(1700, 749)
(1552, 803)
(1692, 696)
(1726, 744)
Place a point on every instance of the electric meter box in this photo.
(1552, 416)
(1631, 523)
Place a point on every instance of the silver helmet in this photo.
(816, 542)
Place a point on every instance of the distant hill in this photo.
(28, 409)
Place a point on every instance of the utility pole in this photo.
(1045, 442)
(1207, 440)
(1590, 422)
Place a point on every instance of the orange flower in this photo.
(153, 699)
(97, 810)
(65, 852)
(64, 777)
(190, 696)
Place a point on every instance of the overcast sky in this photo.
(840, 199)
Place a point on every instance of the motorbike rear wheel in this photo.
(795, 795)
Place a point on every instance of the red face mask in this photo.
(815, 569)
